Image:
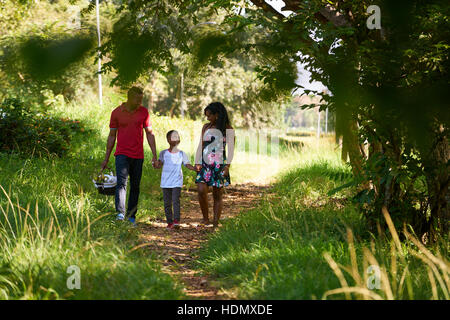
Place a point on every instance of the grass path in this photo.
(176, 249)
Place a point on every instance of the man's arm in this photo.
(151, 142)
(109, 146)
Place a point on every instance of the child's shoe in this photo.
(170, 225)
(176, 224)
(132, 220)
(120, 216)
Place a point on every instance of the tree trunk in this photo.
(352, 147)
(436, 171)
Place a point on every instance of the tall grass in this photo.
(298, 244)
(51, 217)
(39, 243)
(396, 272)
(301, 243)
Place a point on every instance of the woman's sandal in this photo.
(203, 224)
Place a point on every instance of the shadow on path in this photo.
(177, 248)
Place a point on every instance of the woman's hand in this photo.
(191, 167)
(226, 170)
(198, 167)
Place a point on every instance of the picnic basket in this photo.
(105, 183)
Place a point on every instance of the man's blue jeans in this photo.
(126, 166)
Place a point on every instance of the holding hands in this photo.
(226, 170)
(157, 164)
(191, 167)
(154, 162)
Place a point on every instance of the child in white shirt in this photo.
(172, 177)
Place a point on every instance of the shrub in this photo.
(26, 132)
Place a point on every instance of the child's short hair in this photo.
(170, 133)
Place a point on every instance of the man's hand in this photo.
(154, 162)
(151, 143)
(158, 164)
(104, 164)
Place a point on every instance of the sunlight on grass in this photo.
(51, 216)
(39, 242)
(301, 243)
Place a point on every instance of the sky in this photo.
(303, 76)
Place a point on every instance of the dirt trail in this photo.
(177, 248)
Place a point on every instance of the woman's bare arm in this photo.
(198, 154)
(231, 140)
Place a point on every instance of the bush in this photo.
(26, 132)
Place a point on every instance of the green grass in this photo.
(286, 247)
(48, 223)
(51, 217)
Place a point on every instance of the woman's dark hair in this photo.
(222, 121)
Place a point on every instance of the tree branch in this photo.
(333, 15)
(267, 7)
(326, 14)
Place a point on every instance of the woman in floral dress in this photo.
(214, 168)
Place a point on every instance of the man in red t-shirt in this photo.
(128, 121)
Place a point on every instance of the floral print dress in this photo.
(212, 172)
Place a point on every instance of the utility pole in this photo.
(318, 122)
(182, 94)
(326, 120)
(100, 93)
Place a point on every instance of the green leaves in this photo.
(46, 59)
(26, 132)
(279, 79)
(211, 46)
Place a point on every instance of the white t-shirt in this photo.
(172, 175)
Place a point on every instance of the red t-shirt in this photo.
(130, 135)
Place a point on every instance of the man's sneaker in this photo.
(132, 220)
(176, 224)
(170, 225)
(120, 216)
